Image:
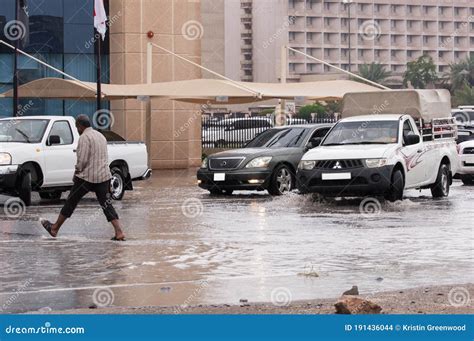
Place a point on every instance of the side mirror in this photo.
(313, 143)
(412, 139)
(53, 139)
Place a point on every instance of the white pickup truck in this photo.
(38, 153)
(385, 143)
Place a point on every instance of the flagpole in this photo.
(99, 72)
(15, 66)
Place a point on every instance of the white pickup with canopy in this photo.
(430, 108)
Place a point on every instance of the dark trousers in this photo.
(81, 188)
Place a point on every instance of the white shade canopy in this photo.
(195, 91)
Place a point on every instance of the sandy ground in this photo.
(423, 300)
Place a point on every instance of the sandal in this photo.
(47, 226)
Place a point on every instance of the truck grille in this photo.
(469, 150)
(339, 164)
(225, 163)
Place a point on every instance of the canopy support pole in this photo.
(149, 80)
(48, 66)
(283, 72)
(339, 69)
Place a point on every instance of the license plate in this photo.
(219, 176)
(469, 159)
(336, 176)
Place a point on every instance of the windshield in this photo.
(363, 132)
(25, 131)
(277, 138)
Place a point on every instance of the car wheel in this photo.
(397, 186)
(282, 181)
(117, 184)
(467, 180)
(440, 188)
(56, 195)
(24, 189)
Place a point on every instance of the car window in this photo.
(63, 130)
(288, 138)
(407, 128)
(320, 133)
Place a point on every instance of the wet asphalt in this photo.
(185, 247)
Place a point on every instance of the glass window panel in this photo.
(46, 34)
(42, 7)
(6, 65)
(79, 38)
(78, 12)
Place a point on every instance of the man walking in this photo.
(92, 175)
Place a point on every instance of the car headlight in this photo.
(259, 162)
(5, 159)
(374, 163)
(307, 165)
(205, 163)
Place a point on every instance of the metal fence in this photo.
(236, 132)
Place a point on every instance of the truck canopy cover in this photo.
(424, 104)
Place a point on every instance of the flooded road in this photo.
(185, 247)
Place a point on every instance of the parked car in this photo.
(466, 162)
(385, 153)
(235, 131)
(268, 162)
(38, 154)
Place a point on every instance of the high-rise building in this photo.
(391, 32)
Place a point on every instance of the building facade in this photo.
(62, 34)
(391, 32)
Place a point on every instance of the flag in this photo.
(24, 19)
(100, 18)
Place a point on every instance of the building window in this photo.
(61, 34)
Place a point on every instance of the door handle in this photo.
(74, 150)
(419, 151)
